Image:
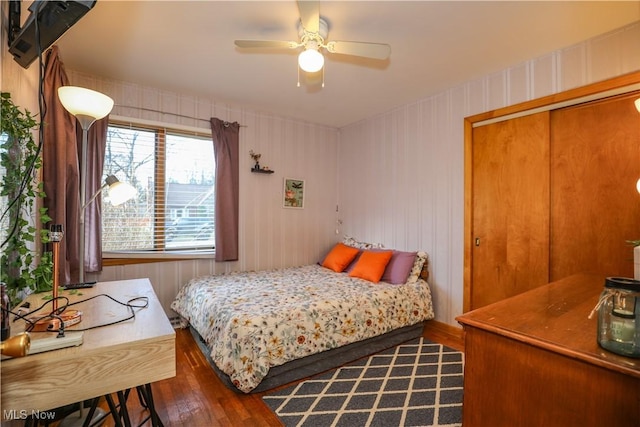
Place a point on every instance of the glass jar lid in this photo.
(622, 283)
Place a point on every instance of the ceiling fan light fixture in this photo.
(312, 32)
(310, 60)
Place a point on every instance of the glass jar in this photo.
(619, 316)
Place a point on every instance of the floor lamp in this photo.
(87, 106)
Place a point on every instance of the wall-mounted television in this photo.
(47, 21)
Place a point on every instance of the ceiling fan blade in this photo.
(367, 50)
(309, 15)
(266, 43)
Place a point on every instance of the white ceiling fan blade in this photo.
(309, 15)
(266, 43)
(367, 50)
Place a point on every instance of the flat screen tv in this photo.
(45, 24)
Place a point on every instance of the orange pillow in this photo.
(340, 257)
(371, 265)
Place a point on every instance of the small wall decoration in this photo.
(256, 167)
(256, 158)
(293, 193)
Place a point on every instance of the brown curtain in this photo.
(226, 151)
(61, 176)
(60, 164)
(96, 146)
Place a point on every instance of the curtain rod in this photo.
(226, 123)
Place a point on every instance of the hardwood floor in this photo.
(196, 397)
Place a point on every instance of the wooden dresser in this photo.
(533, 360)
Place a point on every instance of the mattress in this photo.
(254, 321)
(313, 364)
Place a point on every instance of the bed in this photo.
(262, 329)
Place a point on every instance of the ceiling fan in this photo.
(313, 31)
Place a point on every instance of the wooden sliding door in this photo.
(595, 208)
(550, 190)
(510, 251)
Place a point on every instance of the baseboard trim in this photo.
(434, 327)
(444, 328)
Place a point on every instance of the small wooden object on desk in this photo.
(533, 360)
(111, 359)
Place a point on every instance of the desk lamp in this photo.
(119, 192)
(57, 321)
(16, 346)
(87, 106)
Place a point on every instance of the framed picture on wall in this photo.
(293, 193)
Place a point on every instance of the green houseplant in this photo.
(21, 268)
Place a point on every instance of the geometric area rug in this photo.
(418, 383)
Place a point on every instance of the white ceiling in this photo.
(188, 47)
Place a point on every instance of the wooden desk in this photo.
(111, 358)
(533, 360)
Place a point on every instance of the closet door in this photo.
(595, 208)
(510, 202)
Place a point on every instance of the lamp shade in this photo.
(638, 104)
(119, 192)
(310, 60)
(85, 102)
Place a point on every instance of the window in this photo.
(174, 174)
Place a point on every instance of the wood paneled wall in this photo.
(270, 235)
(407, 190)
(398, 177)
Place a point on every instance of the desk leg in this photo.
(92, 411)
(145, 392)
(114, 411)
(120, 413)
(124, 413)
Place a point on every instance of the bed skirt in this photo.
(319, 362)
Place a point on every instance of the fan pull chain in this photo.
(322, 76)
(298, 75)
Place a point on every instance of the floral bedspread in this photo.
(253, 321)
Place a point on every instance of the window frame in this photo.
(112, 258)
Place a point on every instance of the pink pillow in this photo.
(399, 267)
